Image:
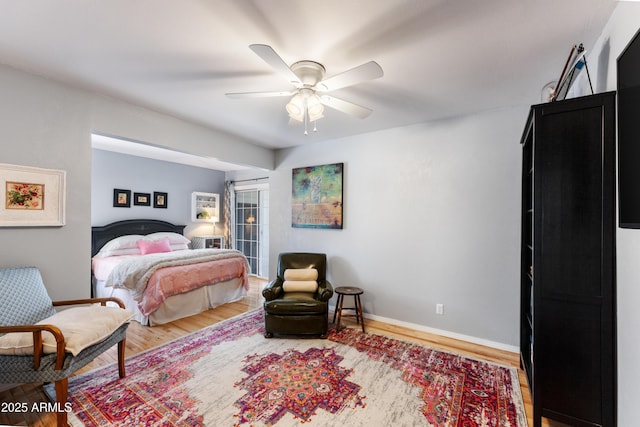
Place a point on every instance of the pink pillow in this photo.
(154, 246)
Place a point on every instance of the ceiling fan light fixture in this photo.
(305, 103)
(295, 107)
(314, 117)
(315, 109)
(308, 78)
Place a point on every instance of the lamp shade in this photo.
(305, 102)
(295, 107)
(315, 109)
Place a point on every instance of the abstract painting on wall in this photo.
(316, 200)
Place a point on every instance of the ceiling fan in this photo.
(311, 88)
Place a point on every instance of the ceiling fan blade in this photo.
(270, 56)
(368, 71)
(345, 106)
(258, 94)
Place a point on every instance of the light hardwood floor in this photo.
(140, 338)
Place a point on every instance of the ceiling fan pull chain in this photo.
(306, 120)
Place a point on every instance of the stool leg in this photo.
(359, 311)
(355, 308)
(335, 311)
(341, 297)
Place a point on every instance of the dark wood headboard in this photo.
(101, 235)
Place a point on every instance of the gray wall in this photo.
(115, 170)
(49, 125)
(623, 24)
(431, 216)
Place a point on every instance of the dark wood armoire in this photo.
(567, 324)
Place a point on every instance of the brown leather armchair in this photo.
(298, 313)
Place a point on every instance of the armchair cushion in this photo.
(301, 274)
(300, 286)
(296, 303)
(78, 332)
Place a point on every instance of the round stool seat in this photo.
(355, 292)
(349, 290)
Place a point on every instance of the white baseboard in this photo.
(448, 334)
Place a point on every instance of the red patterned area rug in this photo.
(230, 375)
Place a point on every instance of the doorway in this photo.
(251, 214)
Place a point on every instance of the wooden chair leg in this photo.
(62, 389)
(121, 347)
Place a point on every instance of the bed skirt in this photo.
(180, 305)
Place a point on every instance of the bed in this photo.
(148, 265)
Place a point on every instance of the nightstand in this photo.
(202, 242)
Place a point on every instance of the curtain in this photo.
(229, 188)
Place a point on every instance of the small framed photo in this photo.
(142, 199)
(121, 198)
(159, 200)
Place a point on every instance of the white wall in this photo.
(47, 124)
(432, 215)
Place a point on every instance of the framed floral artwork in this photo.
(33, 197)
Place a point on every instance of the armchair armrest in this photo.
(325, 290)
(273, 290)
(36, 330)
(102, 301)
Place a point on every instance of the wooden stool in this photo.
(352, 291)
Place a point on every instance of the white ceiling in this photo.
(441, 58)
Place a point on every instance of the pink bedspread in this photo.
(175, 280)
(168, 281)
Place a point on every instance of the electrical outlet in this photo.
(439, 308)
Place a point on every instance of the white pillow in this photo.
(301, 274)
(123, 245)
(81, 327)
(118, 252)
(300, 286)
(179, 246)
(174, 238)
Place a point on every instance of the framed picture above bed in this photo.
(121, 198)
(142, 199)
(32, 197)
(159, 200)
